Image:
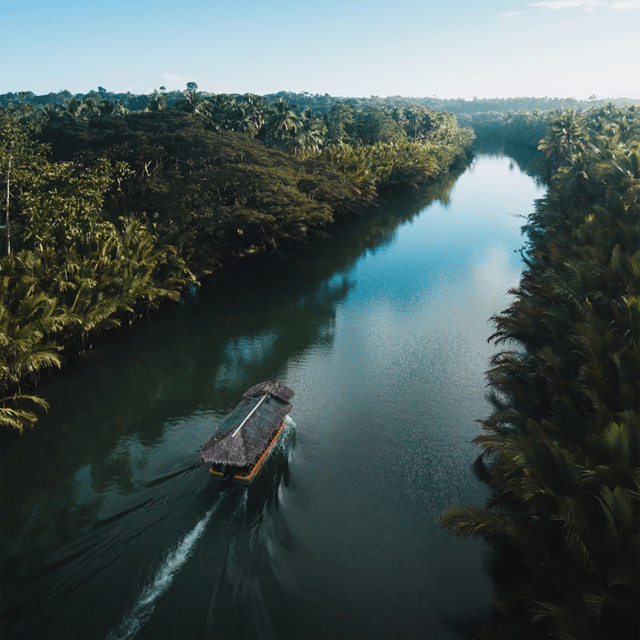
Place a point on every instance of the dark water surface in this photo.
(111, 530)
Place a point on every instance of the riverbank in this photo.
(561, 450)
(126, 208)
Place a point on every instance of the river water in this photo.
(110, 528)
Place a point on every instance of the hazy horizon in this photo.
(345, 97)
(409, 48)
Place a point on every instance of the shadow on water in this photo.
(78, 583)
(182, 518)
(103, 504)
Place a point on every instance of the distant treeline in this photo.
(519, 121)
(107, 212)
(321, 103)
(561, 450)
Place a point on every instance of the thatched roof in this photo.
(238, 443)
(276, 389)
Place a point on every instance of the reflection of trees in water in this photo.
(523, 156)
(110, 408)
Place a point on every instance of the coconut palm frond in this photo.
(13, 415)
(470, 520)
(565, 623)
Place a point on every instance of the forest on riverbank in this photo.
(108, 212)
(561, 450)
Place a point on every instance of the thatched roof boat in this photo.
(245, 438)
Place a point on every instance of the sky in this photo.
(360, 48)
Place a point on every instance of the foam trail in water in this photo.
(145, 605)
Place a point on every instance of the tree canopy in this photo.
(109, 210)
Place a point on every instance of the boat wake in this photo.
(176, 558)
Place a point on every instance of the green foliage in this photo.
(113, 219)
(63, 205)
(377, 167)
(322, 103)
(16, 413)
(562, 447)
(61, 299)
(377, 126)
(28, 318)
(214, 195)
(522, 128)
(75, 273)
(21, 161)
(340, 122)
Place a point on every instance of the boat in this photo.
(246, 437)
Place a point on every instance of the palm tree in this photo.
(416, 121)
(221, 111)
(282, 122)
(340, 122)
(564, 136)
(249, 115)
(157, 102)
(29, 318)
(125, 274)
(307, 139)
(74, 108)
(91, 107)
(561, 450)
(192, 102)
(14, 413)
(52, 111)
(21, 160)
(111, 108)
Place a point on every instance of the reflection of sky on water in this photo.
(410, 345)
(447, 271)
(446, 243)
(405, 374)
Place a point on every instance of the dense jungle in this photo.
(110, 209)
(108, 212)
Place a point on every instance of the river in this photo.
(111, 529)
